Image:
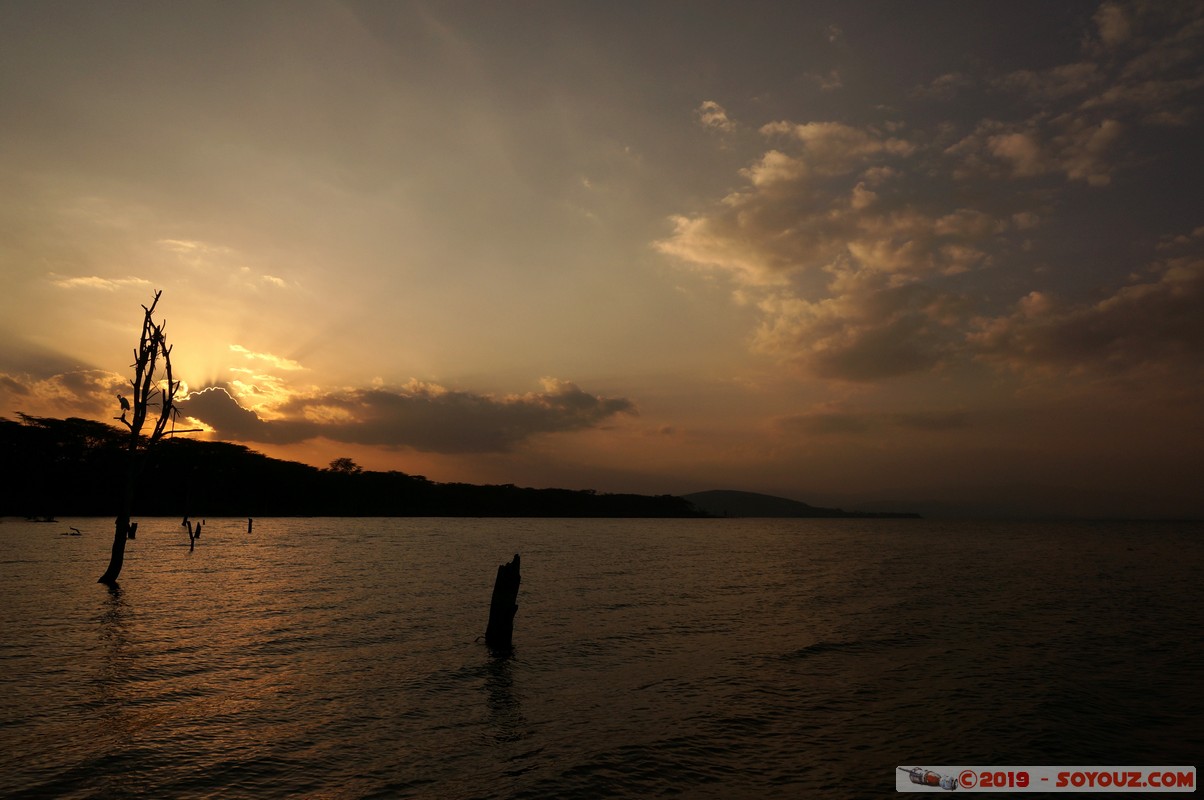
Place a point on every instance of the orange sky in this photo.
(948, 255)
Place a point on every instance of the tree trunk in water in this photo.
(117, 558)
(500, 631)
(121, 528)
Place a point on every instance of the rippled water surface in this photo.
(719, 658)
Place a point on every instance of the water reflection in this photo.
(114, 631)
(113, 725)
(336, 663)
(506, 721)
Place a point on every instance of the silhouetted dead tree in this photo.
(154, 394)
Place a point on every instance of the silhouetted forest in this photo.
(73, 467)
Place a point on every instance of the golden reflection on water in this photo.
(337, 658)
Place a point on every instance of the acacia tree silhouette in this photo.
(345, 466)
(151, 394)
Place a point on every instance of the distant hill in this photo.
(727, 503)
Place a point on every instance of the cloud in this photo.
(943, 87)
(1068, 144)
(85, 392)
(187, 247)
(712, 116)
(1153, 102)
(218, 410)
(1054, 84)
(849, 281)
(423, 417)
(1144, 71)
(1155, 322)
(826, 83)
(1113, 24)
(839, 272)
(1179, 241)
(277, 361)
(867, 330)
(1169, 40)
(802, 211)
(833, 147)
(773, 168)
(97, 282)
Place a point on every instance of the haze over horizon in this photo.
(831, 251)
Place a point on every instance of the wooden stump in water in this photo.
(500, 631)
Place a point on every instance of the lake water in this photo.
(338, 658)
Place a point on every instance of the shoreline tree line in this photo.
(76, 467)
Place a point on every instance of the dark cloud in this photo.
(902, 344)
(1155, 322)
(879, 250)
(13, 386)
(429, 419)
(217, 409)
(86, 392)
(1081, 147)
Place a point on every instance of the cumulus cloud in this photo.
(838, 271)
(878, 250)
(712, 116)
(83, 392)
(866, 330)
(832, 147)
(1068, 144)
(1155, 321)
(1143, 71)
(424, 417)
(804, 210)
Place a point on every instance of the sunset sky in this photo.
(842, 252)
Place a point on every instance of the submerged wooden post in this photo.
(500, 631)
